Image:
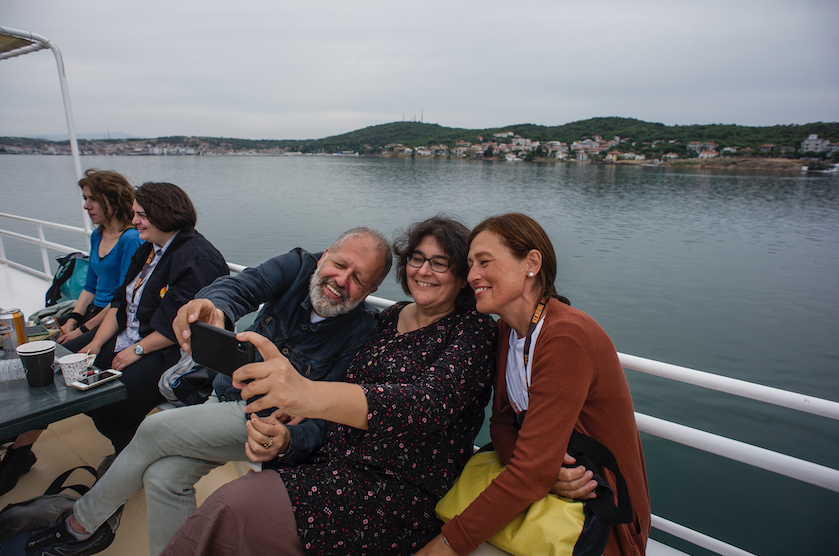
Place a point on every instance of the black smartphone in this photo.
(218, 349)
(88, 382)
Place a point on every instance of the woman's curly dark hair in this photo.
(453, 238)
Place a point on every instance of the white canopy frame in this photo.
(14, 42)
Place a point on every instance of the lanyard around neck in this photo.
(537, 314)
(143, 274)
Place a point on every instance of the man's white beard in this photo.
(324, 305)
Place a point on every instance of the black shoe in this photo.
(57, 540)
(15, 464)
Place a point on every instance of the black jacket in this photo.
(190, 263)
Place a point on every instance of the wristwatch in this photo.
(138, 349)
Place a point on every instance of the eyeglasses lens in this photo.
(437, 264)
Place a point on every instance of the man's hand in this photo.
(275, 378)
(268, 431)
(437, 547)
(574, 482)
(195, 310)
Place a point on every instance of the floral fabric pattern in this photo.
(374, 491)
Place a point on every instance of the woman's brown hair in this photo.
(167, 206)
(520, 234)
(113, 192)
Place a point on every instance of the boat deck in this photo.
(75, 441)
(21, 290)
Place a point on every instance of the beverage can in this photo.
(50, 323)
(12, 331)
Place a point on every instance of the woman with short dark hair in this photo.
(136, 336)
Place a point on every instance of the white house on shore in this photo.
(814, 145)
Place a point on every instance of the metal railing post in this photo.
(44, 256)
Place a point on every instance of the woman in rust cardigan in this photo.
(571, 380)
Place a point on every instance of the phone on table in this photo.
(88, 382)
(218, 349)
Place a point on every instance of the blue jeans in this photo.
(171, 451)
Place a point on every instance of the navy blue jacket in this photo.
(319, 351)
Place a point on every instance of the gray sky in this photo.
(277, 69)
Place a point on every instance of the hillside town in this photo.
(512, 147)
(504, 145)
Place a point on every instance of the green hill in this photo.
(414, 134)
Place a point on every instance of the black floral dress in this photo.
(374, 491)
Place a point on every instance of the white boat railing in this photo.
(809, 472)
(45, 244)
(40, 241)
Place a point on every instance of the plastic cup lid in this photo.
(36, 348)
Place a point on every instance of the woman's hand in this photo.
(66, 337)
(92, 347)
(275, 378)
(574, 482)
(267, 436)
(437, 547)
(68, 326)
(124, 358)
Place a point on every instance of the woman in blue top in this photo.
(108, 201)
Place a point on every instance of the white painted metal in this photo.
(37, 42)
(379, 302)
(655, 548)
(697, 538)
(40, 241)
(800, 402)
(782, 464)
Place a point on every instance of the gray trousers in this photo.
(171, 450)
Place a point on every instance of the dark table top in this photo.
(25, 408)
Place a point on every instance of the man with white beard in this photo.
(313, 313)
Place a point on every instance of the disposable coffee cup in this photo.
(37, 358)
(74, 366)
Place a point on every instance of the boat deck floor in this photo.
(75, 441)
(22, 290)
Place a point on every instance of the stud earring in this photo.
(530, 274)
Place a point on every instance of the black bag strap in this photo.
(58, 484)
(594, 455)
(66, 264)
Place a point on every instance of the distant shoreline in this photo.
(728, 163)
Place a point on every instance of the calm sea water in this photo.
(726, 272)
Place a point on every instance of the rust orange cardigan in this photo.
(576, 383)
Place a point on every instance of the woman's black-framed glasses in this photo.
(437, 264)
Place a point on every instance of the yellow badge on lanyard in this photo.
(163, 291)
